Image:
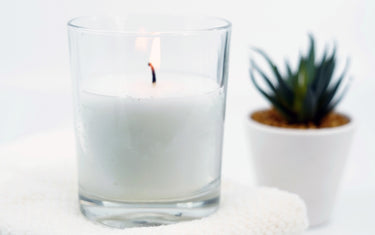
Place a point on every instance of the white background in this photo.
(35, 93)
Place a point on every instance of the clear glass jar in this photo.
(149, 101)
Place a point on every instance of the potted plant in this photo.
(301, 143)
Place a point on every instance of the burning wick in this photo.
(153, 73)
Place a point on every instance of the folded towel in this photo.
(38, 195)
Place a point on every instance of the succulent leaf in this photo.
(309, 106)
(310, 62)
(326, 73)
(263, 75)
(327, 97)
(285, 93)
(283, 110)
(338, 100)
(288, 69)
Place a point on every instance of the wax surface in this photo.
(168, 85)
(139, 142)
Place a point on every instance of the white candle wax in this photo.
(143, 142)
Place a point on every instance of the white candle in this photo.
(143, 142)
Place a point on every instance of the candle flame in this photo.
(155, 53)
(141, 43)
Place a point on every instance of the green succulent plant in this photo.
(306, 95)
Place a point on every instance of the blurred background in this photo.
(35, 84)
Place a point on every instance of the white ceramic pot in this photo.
(306, 162)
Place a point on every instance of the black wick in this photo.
(153, 73)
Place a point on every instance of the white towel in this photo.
(38, 195)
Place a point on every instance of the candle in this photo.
(141, 141)
(149, 104)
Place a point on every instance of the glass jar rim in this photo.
(115, 24)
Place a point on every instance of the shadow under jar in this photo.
(149, 102)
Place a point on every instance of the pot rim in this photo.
(303, 132)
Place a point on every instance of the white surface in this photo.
(39, 196)
(35, 81)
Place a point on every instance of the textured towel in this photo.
(38, 195)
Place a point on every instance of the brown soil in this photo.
(272, 118)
